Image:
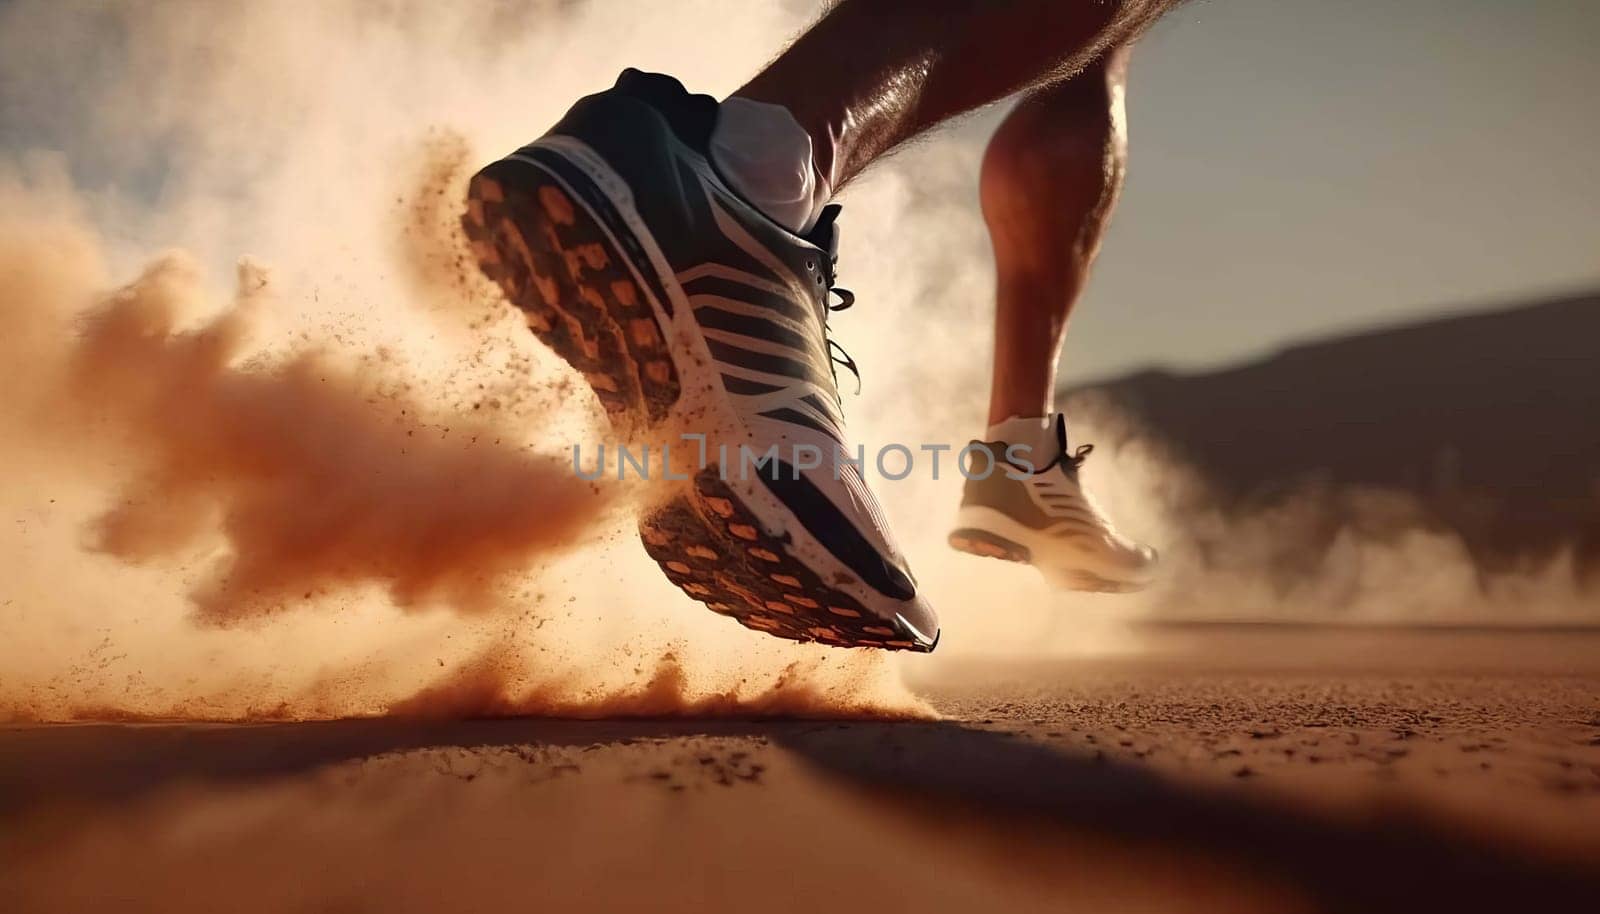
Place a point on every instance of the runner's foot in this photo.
(1034, 510)
(686, 309)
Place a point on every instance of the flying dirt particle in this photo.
(432, 251)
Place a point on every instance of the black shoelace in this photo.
(1068, 463)
(836, 353)
(825, 235)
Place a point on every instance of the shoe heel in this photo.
(988, 545)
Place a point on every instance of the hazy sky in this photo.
(1301, 167)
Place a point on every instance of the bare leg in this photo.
(874, 73)
(1050, 179)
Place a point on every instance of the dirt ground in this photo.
(1234, 770)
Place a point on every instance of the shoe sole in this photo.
(989, 544)
(536, 236)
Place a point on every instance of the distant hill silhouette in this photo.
(1488, 423)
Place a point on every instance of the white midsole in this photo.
(1053, 552)
(702, 395)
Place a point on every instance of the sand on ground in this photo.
(1238, 769)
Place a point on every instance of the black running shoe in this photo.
(687, 309)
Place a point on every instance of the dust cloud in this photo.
(317, 473)
(1317, 551)
(339, 484)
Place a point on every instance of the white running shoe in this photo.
(687, 309)
(1023, 510)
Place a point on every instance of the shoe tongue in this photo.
(1060, 428)
(825, 234)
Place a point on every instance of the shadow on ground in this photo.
(936, 775)
(1399, 862)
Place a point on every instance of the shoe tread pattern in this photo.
(559, 267)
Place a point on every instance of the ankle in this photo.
(1036, 432)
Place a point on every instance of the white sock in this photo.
(1037, 432)
(764, 153)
